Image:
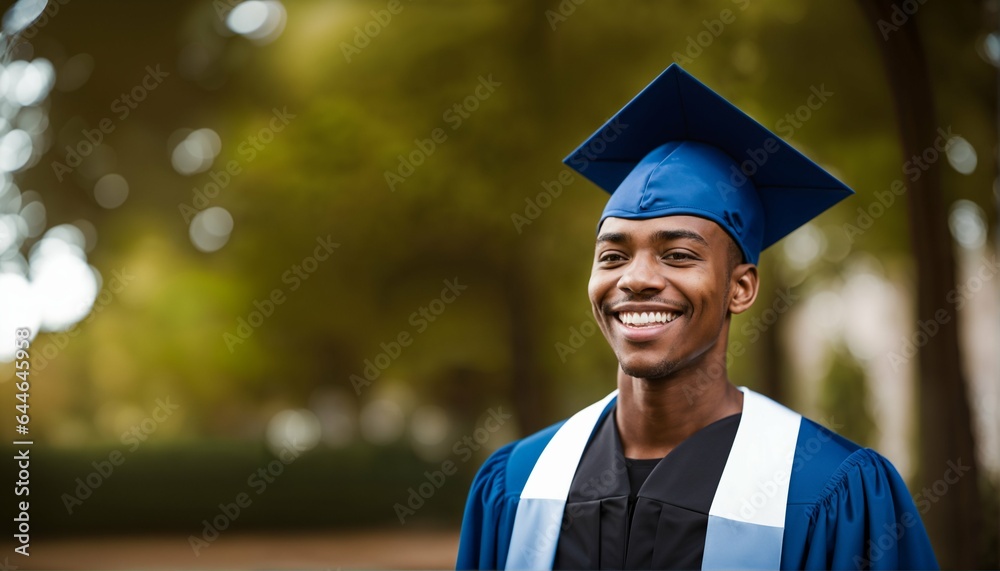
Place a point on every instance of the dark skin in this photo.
(672, 378)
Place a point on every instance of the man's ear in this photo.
(743, 287)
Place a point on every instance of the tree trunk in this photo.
(945, 423)
(772, 381)
(529, 391)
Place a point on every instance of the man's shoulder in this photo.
(510, 465)
(821, 442)
(842, 497)
(824, 459)
(517, 458)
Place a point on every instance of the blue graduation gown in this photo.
(847, 507)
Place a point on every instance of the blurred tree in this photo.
(323, 176)
(772, 363)
(945, 419)
(845, 399)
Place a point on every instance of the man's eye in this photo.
(611, 258)
(678, 256)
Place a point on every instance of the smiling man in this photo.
(678, 468)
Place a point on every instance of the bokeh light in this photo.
(15, 150)
(803, 246)
(75, 72)
(261, 338)
(196, 151)
(210, 229)
(429, 425)
(336, 415)
(22, 14)
(111, 190)
(295, 429)
(61, 277)
(89, 233)
(825, 310)
(27, 83)
(866, 296)
(33, 215)
(8, 232)
(382, 421)
(967, 222)
(961, 155)
(18, 308)
(259, 20)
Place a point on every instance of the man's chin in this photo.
(647, 370)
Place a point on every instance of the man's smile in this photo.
(636, 325)
(646, 319)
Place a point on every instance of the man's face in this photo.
(661, 290)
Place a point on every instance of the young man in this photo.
(678, 468)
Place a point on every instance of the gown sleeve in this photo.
(864, 519)
(485, 529)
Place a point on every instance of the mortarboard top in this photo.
(680, 148)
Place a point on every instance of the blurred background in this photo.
(292, 269)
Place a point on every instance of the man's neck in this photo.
(654, 416)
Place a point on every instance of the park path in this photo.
(306, 550)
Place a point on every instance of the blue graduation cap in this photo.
(680, 148)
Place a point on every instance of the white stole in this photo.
(746, 521)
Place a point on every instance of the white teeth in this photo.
(644, 318)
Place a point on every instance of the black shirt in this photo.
(642, 514)
(638, 470)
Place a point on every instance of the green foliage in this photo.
(324, 175)
(844, 400)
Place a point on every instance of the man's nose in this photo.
(644, 273)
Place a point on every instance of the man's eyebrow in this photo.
(660, 236)
(669, 235)
(614, 237)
